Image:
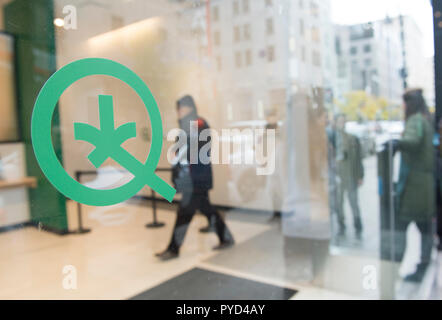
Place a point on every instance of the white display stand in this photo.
(14, 200)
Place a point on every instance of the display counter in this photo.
(29, 182)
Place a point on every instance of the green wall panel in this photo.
(31, 22)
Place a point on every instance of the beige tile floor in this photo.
(114, 261)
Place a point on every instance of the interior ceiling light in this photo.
(59, 22)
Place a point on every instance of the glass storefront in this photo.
(317, 178)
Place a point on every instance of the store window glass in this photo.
(301, 141)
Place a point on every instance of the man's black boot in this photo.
(167, 255)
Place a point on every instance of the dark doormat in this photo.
(200, 284)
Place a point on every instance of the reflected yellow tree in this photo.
(361, 106)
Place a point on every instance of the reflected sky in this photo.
(359, 11)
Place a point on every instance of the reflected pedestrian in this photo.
(415, 188)
(350, 174)
(331, 161)
(193, 181)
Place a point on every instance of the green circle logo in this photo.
(107, 139)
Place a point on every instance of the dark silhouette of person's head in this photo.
(340, 120)
(186, 109)
(415, 103)
(186, 106)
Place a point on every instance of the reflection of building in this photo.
(255, 62)
(370, 58)
(261, 53)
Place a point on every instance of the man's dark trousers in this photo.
(190, 203)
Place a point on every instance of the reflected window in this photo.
(338, 46)
(217, 38)
(215, 14)
(314, 9)
(316, 58)
(271, 53)
(218, 63)
(238, 59)
(245, 6)
(292, 45)
(247, 33)
(315, 35)
(269, 26)
(236, 34)
(235, 8)
(248, 57)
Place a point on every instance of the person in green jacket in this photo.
(350, 174)
(415, 190)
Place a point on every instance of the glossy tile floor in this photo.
(116, 260)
